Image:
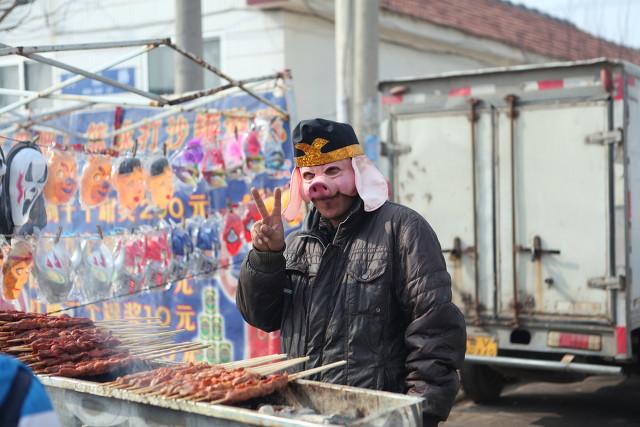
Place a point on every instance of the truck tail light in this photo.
(571, 340)
(621, 339)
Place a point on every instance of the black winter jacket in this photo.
(375, 293)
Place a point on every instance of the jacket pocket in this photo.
(368, 290)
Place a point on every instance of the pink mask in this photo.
(361, 178)
(319, 182)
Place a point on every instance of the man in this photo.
(364, 280)
(23, 399)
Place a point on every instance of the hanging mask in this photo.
(213, 169)
(25, 180)
(95, 182)
(208, 244)
(233, 154)
(253, 154)
(96, 271)
(128, 180)
(186, 161)
(16, 269)
(158, 257)
(232, 233)
(160, 182)
(249, 218)
(272, 140)
(181, 253)
(53, 270)
(62, 183)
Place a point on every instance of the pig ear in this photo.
(371, 185)
(295, 196)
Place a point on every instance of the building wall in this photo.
(255, 41)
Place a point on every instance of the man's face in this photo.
(62, 183)
(331, 188)
(96, 181)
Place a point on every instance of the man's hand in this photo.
(267, 234)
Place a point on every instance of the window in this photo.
(9, 79)
(29, 75)
(38, 76)
(162, 69)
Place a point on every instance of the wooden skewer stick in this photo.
(312, 371)
(275, 367)
(252, 362)
(180, 350)
(18, 349)
(146, 353)
(141, 336)
(157, 354)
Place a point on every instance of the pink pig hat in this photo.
(320, 142)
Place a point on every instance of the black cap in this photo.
(320, 141)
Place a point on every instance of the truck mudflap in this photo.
(549, 365)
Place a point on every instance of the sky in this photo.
(614, 20)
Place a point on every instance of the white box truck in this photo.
(530, 176)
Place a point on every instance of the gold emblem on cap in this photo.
(314, 157)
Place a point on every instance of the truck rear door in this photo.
(553, 211)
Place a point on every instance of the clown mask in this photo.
(16, 270)
(128, 181)
(95, 182)
(62, 183)
(160, 182)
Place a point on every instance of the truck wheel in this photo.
(481, 383)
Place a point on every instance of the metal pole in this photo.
(160, 100)
(189, 75)
(365, 116)
(19, 50)
(344, 58)
(236, 83)
(43, 93)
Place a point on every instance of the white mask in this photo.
(27, 177)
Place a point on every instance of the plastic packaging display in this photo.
(250, 217)
(96, 272)
(213, 167)
(233, 154)
(181, 253)
(128, 180)
(62, 183)
(232, 233)
(160, 183)
(130, 264)
(54, 270)
(207, 247)
(253, 154)
(95, 181)
(157, 256)
(186, 162)
(16, 268)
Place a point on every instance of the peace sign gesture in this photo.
(267, 234)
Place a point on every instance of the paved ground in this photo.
(597, 401)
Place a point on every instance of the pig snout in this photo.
(320, 189)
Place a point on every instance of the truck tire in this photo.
(481, 383)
